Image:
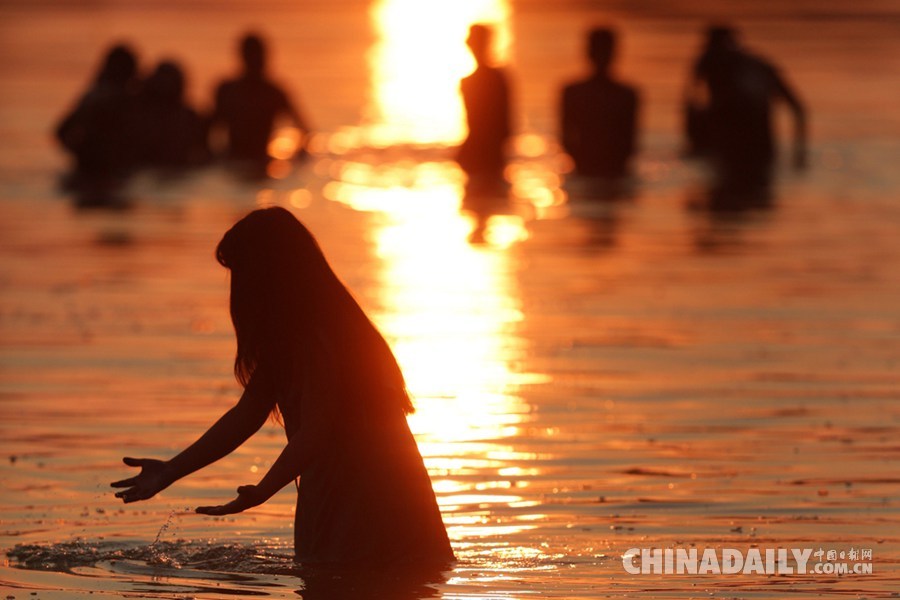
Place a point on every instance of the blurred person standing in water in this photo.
(248, 107)
(99, 131)
(486, 97)
(306, 352)
(598, 116)
(170, 134)
(729, 104)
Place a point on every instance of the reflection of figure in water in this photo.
(247, 107)
(599, 115)
(374, 583)
(481, 205)
(486, 97)
(97, 132)
(308, 353)
(730, 199)
(722, 218)
(170, 133)
(734, 126)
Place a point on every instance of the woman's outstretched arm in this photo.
(226, 434)
(289, 465)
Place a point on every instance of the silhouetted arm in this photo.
(288, 108)
(73, 128)
(799, 112)
(631, 117)
(225, 435)
(303, 125)
(69, 133)
(296, 116)
(568, 128)
(696, 90)
(290, 464)
(505, 106)
(215, 119)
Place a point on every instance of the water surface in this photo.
(590, 376)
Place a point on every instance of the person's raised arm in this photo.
(568, 128)
(799, 112)
(225, 435)
(297, 117)
(289, 109)
(216, 119)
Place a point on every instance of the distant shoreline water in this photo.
(590, 377)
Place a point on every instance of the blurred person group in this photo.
(125, 122)
(729, 105)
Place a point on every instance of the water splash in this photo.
(158, 555)
(187, 554)
(169, 569)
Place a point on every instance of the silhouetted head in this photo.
(166, 83)
(119, 67)
(279, 281)
(289, 308)
(721, 38)
(253, 54)
(479, 42)
(601, 47)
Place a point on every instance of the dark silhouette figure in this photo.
(247, 107)
(98, 132)
(486, 97)
(599, 115)
(170, 133)
(734, 126)
(722, 218)
(307, 352)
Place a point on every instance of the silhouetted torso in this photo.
(170, 133)
(248, 107)
(365, 497)
(98, 132)
(742, 88)
(599, 123)
(486, 96)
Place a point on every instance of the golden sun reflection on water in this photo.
(451, 308)
(452, 311)
(417, 63)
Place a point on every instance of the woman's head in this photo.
(269, 243)
(166, 83)
(278, 273)
(119, 66)
(286, 302)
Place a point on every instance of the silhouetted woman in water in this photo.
(307, 352)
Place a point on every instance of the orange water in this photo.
(589, 379)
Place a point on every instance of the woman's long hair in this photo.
(289, 308)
